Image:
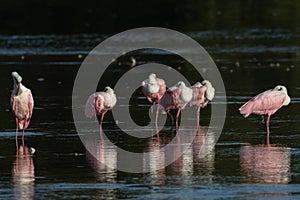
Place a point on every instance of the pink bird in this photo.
(22, 105)
(99, 103)
(266, 103)
(153, 88)
(176, 97)
(202, 94)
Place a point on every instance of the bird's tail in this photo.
(245, 110)
(90, 107)
(167, 101)
(23, 124)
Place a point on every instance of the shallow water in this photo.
(239, 166)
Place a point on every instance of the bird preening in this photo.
(154, 88)
(156, 92)
(266, 103)
(177, 96)
(22, 105)
(99, 103)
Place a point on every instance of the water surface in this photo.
(240, 166)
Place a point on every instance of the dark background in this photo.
(111, 16)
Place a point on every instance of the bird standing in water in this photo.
(99, 103)
(266, 103)
(22, 105)
(176, 97)
(202, 94)
(154, 88)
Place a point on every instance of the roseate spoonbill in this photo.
(21, 104)
(266, 103)
(202, 94)
(154, 88)
(176, 97)
(99, 103)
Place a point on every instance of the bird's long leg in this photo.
(156, 117)
(198, 116)
(23, 137)
(177, 116)
(268, 128)
(23, 133)
(101, 136)
(152, 107)
(101, 119)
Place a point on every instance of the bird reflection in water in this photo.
(154, 161)
(104, 154)
(103, 160)
(197, 159)
(23, 174)
(265, 163)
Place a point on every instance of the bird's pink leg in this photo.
(23, 137)
(101, 120)
(156, 117)
(198, 116)
(23, 134)
(177, 116)
(102, 117)
(268, 128)
(101, 136)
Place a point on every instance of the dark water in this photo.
(240, 166)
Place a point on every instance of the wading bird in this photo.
(202, 94)
(266, 103)
(176, 97)
(21, 104)
(99, 103)
(154, 88)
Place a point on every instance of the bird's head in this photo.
(206, 82)
(210, 92)
(16, 77)
(152, 79)
(281, 88)
(17, 82)
(109, 90)
(181, 84)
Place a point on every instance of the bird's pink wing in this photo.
(12, 103)
(197, 85)
(90, 106)
(162, 87)
(168, 100)
(30, 104)
(99, 105)
(198, 93)
(266, 102)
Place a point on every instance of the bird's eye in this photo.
(280, 88)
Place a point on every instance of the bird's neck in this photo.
(17, 89)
